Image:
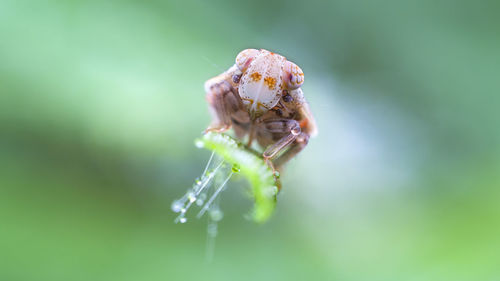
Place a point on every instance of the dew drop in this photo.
(216, 214)
(177, 206)
(235, 168)
(198, 144)
(199, 202)
(191, 197)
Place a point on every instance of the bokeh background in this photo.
(100, 102)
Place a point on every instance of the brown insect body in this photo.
(260, 97)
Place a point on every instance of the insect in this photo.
(260, 97)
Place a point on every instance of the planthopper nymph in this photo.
(260, 97)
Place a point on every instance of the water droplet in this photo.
(191, 197)
(235, 168)
(177, 206)
(198, 143)
(182, 220)
(216, 214)
(199, 202)
(203, 196)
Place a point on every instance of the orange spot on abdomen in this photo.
(303, 123)
(270, 82)
(255, 76)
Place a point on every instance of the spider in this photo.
(260, 97)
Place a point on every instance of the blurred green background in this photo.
(100, 102)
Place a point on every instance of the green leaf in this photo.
(251, 165)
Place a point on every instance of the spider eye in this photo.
(294, 77)
(245, 57)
